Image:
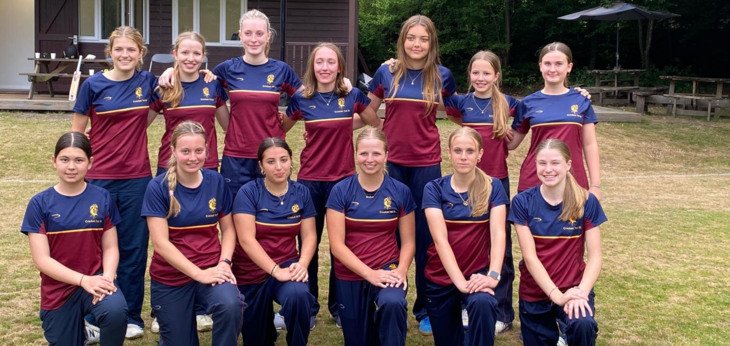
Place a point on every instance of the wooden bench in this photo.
(602, 91)
(646, 95)
(48, 78)
(692, 101)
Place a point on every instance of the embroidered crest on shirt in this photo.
(138, 92)
(387, 202)
(270, 79)
(206, 92)
(94, 210)
(212, 204)
(574, 109)
(341, 102)
(392, 266)
(295, 208)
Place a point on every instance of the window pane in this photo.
(184, 15)
(111, 16)
(86, 18)
(233, 14)
(210, 20)
(138, 20)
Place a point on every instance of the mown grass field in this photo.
(666, 185)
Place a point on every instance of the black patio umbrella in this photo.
(618, 12)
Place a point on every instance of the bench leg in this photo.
(640, 104)
(709, 110)
(32, 90)
(674, 107)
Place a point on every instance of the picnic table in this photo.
(62, 68)
(613, 82)
(696, 100)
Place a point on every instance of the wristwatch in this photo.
(226, 261)
(494, 275)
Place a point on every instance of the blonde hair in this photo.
(500, 107)
(174, 95)
(184, 128)
(256, 14)
(310, 79)
(432, 82)
(574, 196)
(132, 34)
(557, 47)
(480, 189)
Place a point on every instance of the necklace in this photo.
(462, 198)
(328, 100)
(413, 79)
(279, 196)
(480, 108)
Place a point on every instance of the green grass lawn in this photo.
(666, 186)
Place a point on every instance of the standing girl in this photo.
(190, 98)
(466, 215)
(365, 212)
(270, 213)
(330, 111)
(559, 112)
(190, 264)
(487, 110)
(412, 93)
(556, 223)
(117, 103)
(73, 242)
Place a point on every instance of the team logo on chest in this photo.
(295, 208)
(138, 92)
(270, 78)
(212, 204)
(206, 92)
(387, 202)
(573, 111)
(94, 210)
(341, 102)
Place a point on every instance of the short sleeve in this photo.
(245, 201)
(589, 116)
(520, 123)
(409, 205)
(337, 198)
(222, 95)
(593, 215)
(85, 97)
(448, 84)
(515, 108)
(291, 81)
(498, 196)
(307, 204)
(33, 220)
(227, 205)
(112, 213)
(156, 200)
(518, 210)
(431, 195)
(293, 110)
(377, 84)
(360, 102)
(452, 104)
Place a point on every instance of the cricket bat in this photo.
(75, 82)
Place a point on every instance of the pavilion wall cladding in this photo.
(308, 22)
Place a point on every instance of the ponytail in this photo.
(173, 95)
(574, 199)
(478, 193)
(500, 113)
(171, 177)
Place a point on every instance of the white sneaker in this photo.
(155, 327)
(562, 342)
(279, 321)
(92, 333)
(464, 318)
(134, 331)
(204, 323)
(501, 327)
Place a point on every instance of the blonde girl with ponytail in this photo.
(487, 110)
(466, 213)
(190, 98)
(191, 263)
(557, 222)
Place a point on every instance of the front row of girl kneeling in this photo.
(370, 221)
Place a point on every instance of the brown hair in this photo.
(174, 95)
(132, 34)
(480, 189)
(575, 196)
(310, 79)
(256, 14)
(184, 128)
(500, 107)
(432, 82)
(557, 47)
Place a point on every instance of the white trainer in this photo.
(279, 321)
(501, 327)
(464, 318)
(204, 323)
(92, 333)
(155, 326)
(134, 331)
